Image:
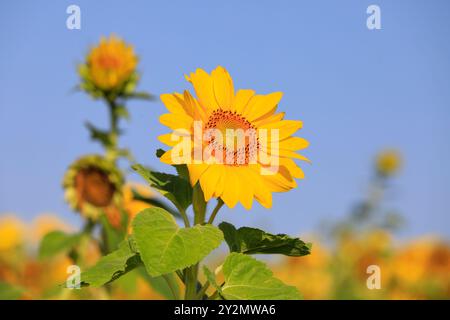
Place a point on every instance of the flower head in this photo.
(92, 186)
(388, 162)
(110, 66)
(235, 144)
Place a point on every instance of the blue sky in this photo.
(357, 92)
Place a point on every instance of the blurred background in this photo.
(368, 99)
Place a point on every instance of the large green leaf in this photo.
(177, 190)
(255, 241)
(249, 279)
(111, 266)
(56, 242)
(165, 248)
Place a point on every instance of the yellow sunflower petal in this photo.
(262, 193)
(247, 193)
(167, 139)
(231, 190)
(174, 138)
(176, 121)
(197, 111)
(292, 167)
(196, 171)
(167, 157)
(293, 143)
(223, 87)
(262, 105)
(204, 89)
(286, 128)
(281, 181)
(241, 100)
(210, 179)
(173, 104)
(269, 119)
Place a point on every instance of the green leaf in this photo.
(111, 266)
(102, 136)
(255, 241)
(165, 248)
(174, 188)
(140, 95)
(249, 279)
(9, 291)
(122, 112)
(56, 242)
(160, 152)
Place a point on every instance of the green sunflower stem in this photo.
(199, 205)
(219, 205)
(173, 286)
(201, 294)
(191, 275)
(114, 130)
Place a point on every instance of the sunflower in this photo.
(93, 186)
(110, 66)
(388, 162)
(218, 107)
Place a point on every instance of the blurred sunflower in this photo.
(12, 232)
(219, 107)
(92, 185)
(388, 162)
(421, 260)
(46, 223)
(110, 66)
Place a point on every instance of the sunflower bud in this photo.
(110, 68)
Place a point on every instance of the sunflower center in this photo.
(94, 187)
(239, 140)
(108, 62)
